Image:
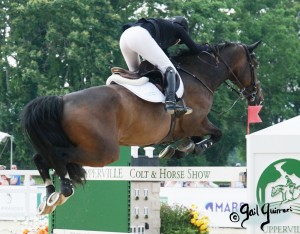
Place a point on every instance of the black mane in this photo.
(215, 48)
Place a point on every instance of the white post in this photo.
(135, 151)
(149, 151)
(11, 150)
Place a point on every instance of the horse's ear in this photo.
(253, 46)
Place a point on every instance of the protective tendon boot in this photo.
(171, 105)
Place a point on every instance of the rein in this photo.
(178, 67)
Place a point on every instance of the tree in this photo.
(59, 47)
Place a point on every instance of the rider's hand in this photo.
(204, 48)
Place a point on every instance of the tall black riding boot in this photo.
(171, 105)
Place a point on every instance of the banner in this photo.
(165, 173)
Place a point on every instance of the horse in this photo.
(86, 128)
(287, 193)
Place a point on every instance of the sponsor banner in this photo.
(216, 203)
(20, 202)
(165, 173)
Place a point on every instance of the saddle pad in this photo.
(142, 88)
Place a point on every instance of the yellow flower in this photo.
(194, 212)
(203, 227)
(193, 207)
(196, 216)
(198, 223)
(193, 221)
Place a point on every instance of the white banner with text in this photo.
(165, 173)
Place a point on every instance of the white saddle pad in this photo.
(143, 88)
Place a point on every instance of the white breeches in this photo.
(137, 41)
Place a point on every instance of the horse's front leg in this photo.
(179, 150)
(210, 135)
(203, 144)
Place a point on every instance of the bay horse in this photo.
(86, 128)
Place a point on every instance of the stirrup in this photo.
(172, 107)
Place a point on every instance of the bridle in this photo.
(243, 92)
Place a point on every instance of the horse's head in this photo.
(233, 61)
(276, 189)
(242, 72)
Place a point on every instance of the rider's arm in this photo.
(186, 39)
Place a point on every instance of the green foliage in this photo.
(59, 47)
(179, 219)
(175, 220)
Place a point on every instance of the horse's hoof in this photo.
(168, 152)
(186, 146)
(52, 199)
(62, 198)
(43, 209)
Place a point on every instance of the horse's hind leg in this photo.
(53, 198)
(66, 190)
(43, 169)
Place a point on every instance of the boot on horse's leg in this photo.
(66, 191)
(171, 105)
(203, 145)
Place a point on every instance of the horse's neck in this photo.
(210, 78)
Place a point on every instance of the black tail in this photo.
(41, 121)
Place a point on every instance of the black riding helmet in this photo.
(180, 20)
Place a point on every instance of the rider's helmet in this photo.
(180, 20)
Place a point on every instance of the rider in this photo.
(150, 39)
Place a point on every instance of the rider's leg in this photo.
(129, 53)
(171, 105)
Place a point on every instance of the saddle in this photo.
(148, 70)
(145, 69)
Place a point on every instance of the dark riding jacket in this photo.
(165, 33)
